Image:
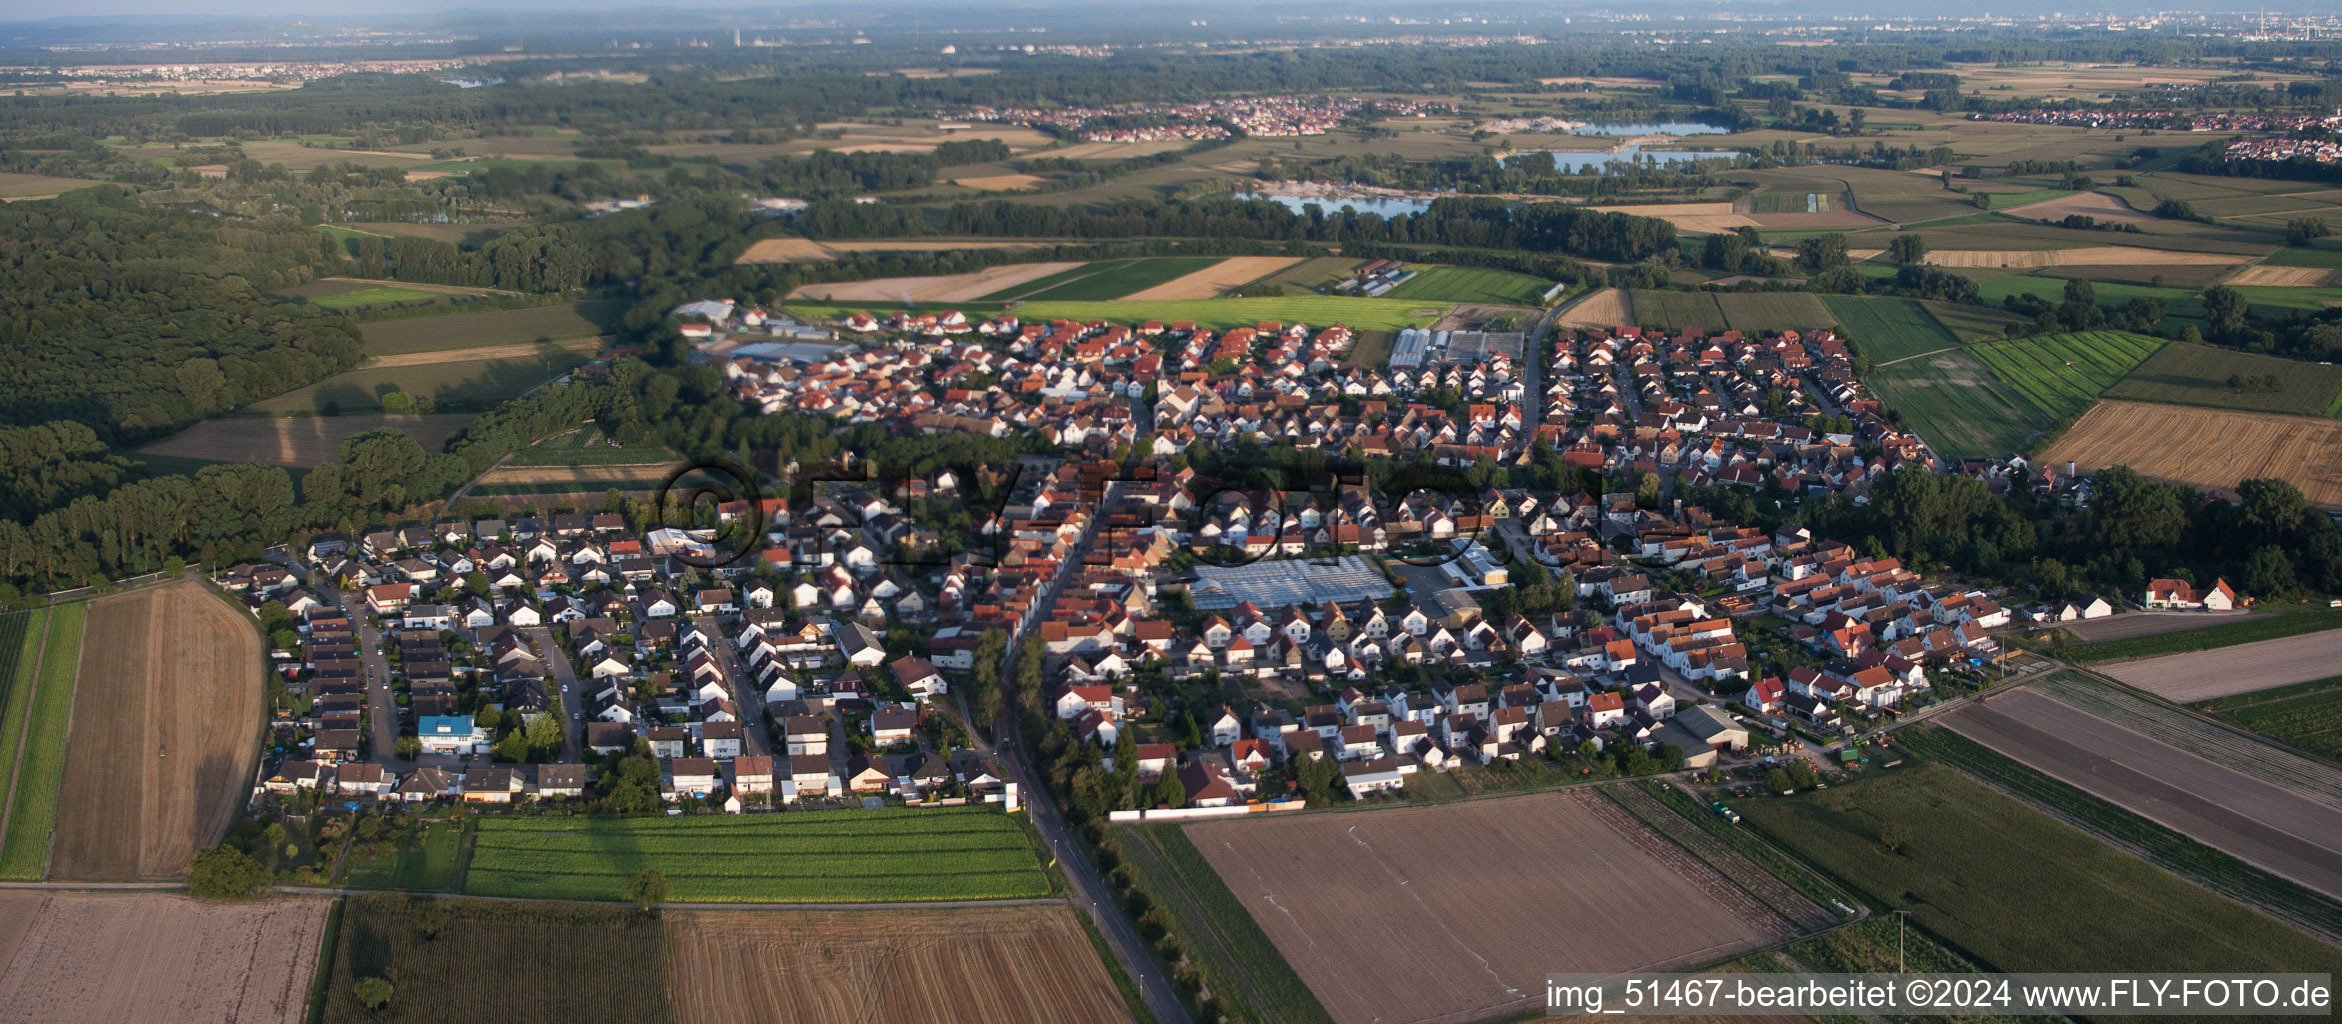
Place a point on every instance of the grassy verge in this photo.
(322, 977)
(1137, 1004)
(2206, 638)
(32, 815)
(1810, 885)
(2305, 715)
(2160, 846)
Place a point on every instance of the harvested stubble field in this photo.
(1219, 277)
(167, 717)
(2095, 255)
(1007, 964)
(2281, 277)
(1605, 307)
(87, 958)
(1388, 914)
(2213, 448)
(38, 186)
(2274, 828)
(943, 288)
(785, 250)
(297, 442)
(2224, 671)
(1700, 218)
(499, 962)
(1003, 182)
(2104, 208)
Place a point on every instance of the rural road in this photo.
(1090, 891)
(569, 696)
(744, 691)
(381, 707)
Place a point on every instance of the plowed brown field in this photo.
(994, 964)
(98, 959)
(166, 724)
(2208, 447)
(1457, 912)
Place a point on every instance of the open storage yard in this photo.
(89, 958)
(1457, 912)
(2019, 889)
(297, 442)
(994, 964)
(2211, 448)
(856, 856)
(2225, 671)
(166, 721)
(498, 962)
(2281, 830)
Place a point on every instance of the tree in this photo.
(1822, 252)
(372, 993)
(2081, 293)
(408, 747)
(1647, 491)
(1169, 791)
(226, 873)
(428, 918)
(648, 888)
(1893, 836)
(2224, 310)
(2268, 571)
(1907, 250)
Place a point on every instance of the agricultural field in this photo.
(1220, 277)
(167, 720)
(1472, 284)
(1117, 279)
(2204, 632)
(1386, 914)
(36, 744)
(1958, 405)
(2307, 716)
(2061, 374)
(2078, 905)
(2323, 258)
(1231, 953)
(375, 296)
(853, 856)
(2209, 448)
(38, 186)
(1007, 278)
(552, 962)
(565, 322)
(1009, 964)
(1748, 312)
(1601, 308)
(1309, 275)
(2281, 829)
(2240, 668)
(590, 448)
(296, 442)
(458, 384)
(2200, 375)
(1221, 314)
(91, 958)
(1885, 329)
(1972, 323)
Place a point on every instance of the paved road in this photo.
(1089, 890)
(381, 706)
(744, 691)
(571, 699)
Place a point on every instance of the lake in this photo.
(1652, 128)
(1569, 161)
(1363, 204)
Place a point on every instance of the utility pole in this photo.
(1902, 919)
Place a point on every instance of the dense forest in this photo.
(132, 319)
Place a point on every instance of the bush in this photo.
(226, 873)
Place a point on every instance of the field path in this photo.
(24, 728)
(1922, 355)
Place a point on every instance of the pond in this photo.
(1333, 205)
(1652, 128)
(1569, 161)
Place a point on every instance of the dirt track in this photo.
(2225, 671)
(2260, 823)
(107, 958)
(1457, 912)
(1003, 964)
(166, 720)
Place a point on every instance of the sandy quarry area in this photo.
(2090, 256)
(90, 958)
(946, 288)
(1212, 280)
(2275, 828)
